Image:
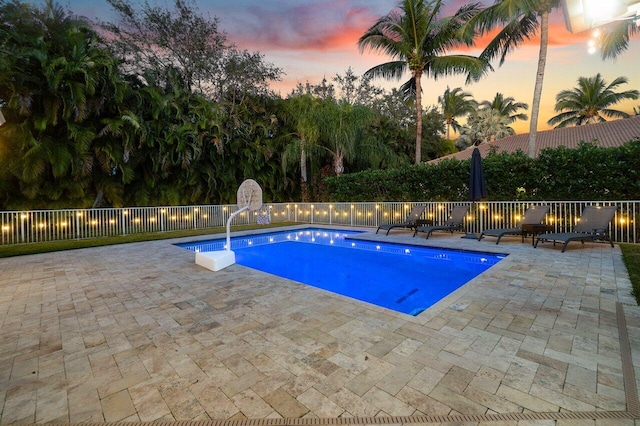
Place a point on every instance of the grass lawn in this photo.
(46, 247)
(631, 258)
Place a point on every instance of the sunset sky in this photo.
(312, 39)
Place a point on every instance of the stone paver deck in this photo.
(139, 333)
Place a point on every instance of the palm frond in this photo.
(379, 30)
(33, 163)
(389, 70)
(452, 32)
(500, 14)
(616, 38)
(616, 82)
(510, 37)
(408, 90)
(558, 120)
(443, 66)
(614, 113)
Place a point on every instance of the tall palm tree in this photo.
(305, 112)
(507, 107)
(418, 40)
(590, 101)
(456, 103)
(521, 20)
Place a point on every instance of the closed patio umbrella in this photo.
(477, 184)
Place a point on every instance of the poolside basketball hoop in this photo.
(249, 197)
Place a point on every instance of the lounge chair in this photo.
(593, 224)
(410, 222)
(533, 216)
(454, 222)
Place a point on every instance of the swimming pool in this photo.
(405, 278)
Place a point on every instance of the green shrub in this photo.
(505, 173)
(588, 172)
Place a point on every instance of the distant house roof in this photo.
(608, 134)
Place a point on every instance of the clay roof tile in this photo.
(609, 134)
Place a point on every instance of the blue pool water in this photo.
(405, 278)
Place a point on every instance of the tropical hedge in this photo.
(589, 172)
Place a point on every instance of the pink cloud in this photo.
(337, 25)
(306, 26)
(312, 41)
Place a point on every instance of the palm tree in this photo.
(456, 103)
(507, 107)
(522, 19)
(305, 113)
(345, 137)
(418, 41)
(484, 126)
(590, 101)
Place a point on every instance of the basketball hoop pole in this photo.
(246, 207)
(228, 248)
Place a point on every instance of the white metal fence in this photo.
(18, 227)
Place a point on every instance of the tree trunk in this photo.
(416, 75)
(98, 200)
(537, 91)
(304, 186)
(303, 165)
(338, 164)
(305, 195)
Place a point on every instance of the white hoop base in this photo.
(215, 260)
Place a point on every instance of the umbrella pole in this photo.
(472, 236)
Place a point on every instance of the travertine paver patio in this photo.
(138, 332)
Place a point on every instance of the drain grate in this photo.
(397, 420)
(628, 375)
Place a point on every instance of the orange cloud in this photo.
(558, 36)
(339, 27)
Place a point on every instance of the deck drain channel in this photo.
(628, 375)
